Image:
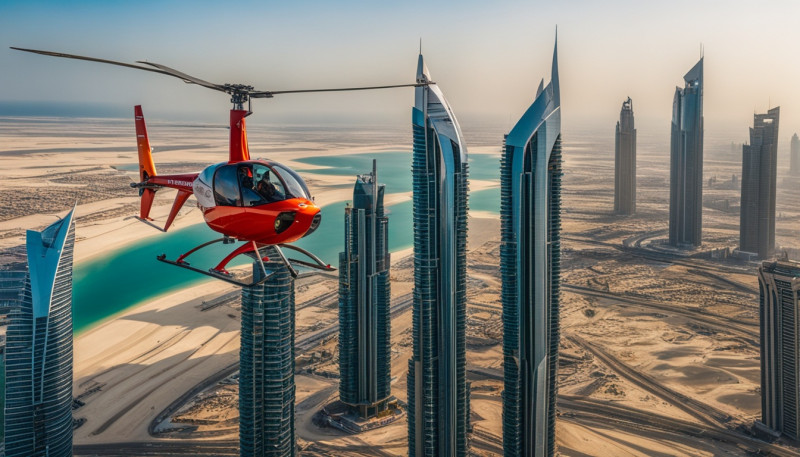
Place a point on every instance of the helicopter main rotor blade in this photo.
(158, 68)
(269, 94)
(183, 76)
(228, 88)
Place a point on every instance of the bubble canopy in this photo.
(253, 183)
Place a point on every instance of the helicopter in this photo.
(257, 202)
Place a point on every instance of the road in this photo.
(703, 412)
(602, 414)
(744, 329)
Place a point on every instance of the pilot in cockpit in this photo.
(267, 189)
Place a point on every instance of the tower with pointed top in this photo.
(686, 162)
(38, 410)
(625, 161)
(530, 262)
(759, 181)
(364, 294)
(438, 407)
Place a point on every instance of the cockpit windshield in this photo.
(253, 184)
(294, 183)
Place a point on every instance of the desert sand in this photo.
(658, 356)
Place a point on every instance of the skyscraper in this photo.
(759, 178)
(686, 162)
(437, 390)
(266, 367)
(364, 294)
(530, 215)
(779, 283)
(38, 411)
(625, 161)
(794, 156)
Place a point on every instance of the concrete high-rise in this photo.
(686, 162)
(794, 156)
(759, 180)
(438, 410)
(364, 296)
(266, 366)
(625, 161)
(38, 410)
(779, 283)
(530, 268)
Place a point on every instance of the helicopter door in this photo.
(226, 186)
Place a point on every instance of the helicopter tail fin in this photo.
(147, 168)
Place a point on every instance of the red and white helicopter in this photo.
(257, 202)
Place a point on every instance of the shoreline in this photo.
(131, 364)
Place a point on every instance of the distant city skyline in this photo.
(311, 44)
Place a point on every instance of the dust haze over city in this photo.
(575, 230)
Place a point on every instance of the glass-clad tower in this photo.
(759, 180)
(686, 162)
(794, 156)
(779, 284)
(38, 411)
(364, 294)
(437, 390)
(266, 366)
(625, 161)
(530, 215)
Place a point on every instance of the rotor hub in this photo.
(240, 93)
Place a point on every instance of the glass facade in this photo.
(779, 283)
(266, 370)
(530, 259)
(686, 162)
(38, 409)
(759, 180)
(438, 407)
(364, 296)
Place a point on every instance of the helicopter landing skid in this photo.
(253, 250)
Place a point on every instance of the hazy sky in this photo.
(488, 57)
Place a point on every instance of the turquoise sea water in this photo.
(123, 278)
